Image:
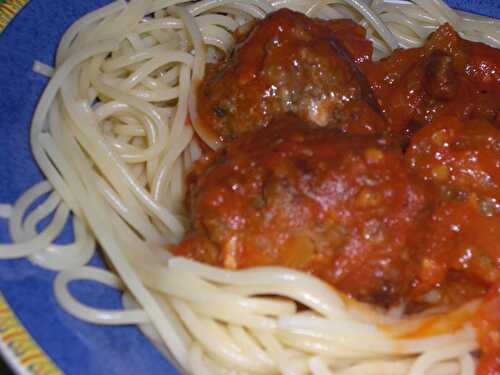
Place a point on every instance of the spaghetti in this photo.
(110, 135)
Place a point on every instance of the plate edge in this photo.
(19, 349)
(8, 10)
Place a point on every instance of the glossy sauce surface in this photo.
(401, 206)
(287, 64)
(342, 207)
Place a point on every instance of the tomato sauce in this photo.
(397, 202)
(447, 76)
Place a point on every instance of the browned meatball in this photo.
(458, 156)
(287, 63)
(339, 206)
(447, 76)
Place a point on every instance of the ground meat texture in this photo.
(459, 156)
(459, 256)
(287, 63)
(447, 76)
(342, 207)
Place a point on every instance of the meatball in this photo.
(341, 207)
(458, 157)
(460, 255)
(447, 76)
(289, 63)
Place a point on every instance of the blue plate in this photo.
(74, 347)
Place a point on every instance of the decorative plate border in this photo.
(8, 9)
(18, 347)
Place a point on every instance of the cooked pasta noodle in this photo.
(110, 135)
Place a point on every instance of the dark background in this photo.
(4, 370)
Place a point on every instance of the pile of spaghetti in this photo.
(112, 135)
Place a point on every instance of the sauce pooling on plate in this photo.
(390, 206)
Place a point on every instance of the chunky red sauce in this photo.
(447, 76)
(287, 64)
(393, 202)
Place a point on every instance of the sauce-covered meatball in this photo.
(447, 76)
(342, 207)
(390, 194)
(458, 157)
(288, 63)
(460, 254)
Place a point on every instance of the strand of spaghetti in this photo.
(413, 11)
(335, 328)
(218, 20)
(184, 286)
(318, 346)
(318, 6)
(276, 351)
(23, 203)
(405, 40)
(108, 179)
(433, 356)
(81, 116)
(206, 5)
(61, 257)
(249, 345)
(165, 4)
(73, 153)
(215, 341)
(83, 23)
(161, 95)
(96, 208)
(195, 361)
(122, 61)
(20, 230)
(375, 21)
(313, 292)
(59, 76)
(156, 62)
(116, 28)
(394, 367)
(399, 18)
(175, 23)
(234, 315)
(318, 367)
(28, 246)
(42, 240)
(129, 127)
(467, 364)
(164, 170)
(176, 187)
(200, 52)
(53, 257)
(89, 314)
(42, 109)
(59, 165)
(150, 330)
(217, 37)
(136, 213)
(158, 135)
(42, 69)
(5, 210)
(180, 136)
(149, 232)
(129, 153)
